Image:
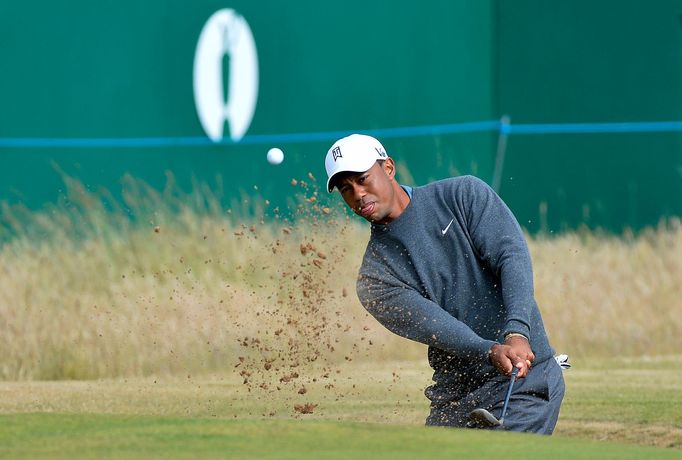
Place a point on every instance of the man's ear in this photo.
(389, 167)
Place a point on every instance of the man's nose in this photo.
(358, 192)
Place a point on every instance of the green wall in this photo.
(123, 69)
(120, 69)
(587, 62)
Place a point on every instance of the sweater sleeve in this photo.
(407, 313)
(499, 241)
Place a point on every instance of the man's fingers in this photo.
(507, 366)
(524, 367)
(505, 358)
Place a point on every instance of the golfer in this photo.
(447, 265)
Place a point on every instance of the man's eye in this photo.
(362, 179)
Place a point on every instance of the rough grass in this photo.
(172, 283)
(606, 296)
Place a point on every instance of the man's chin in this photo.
(375, 219)
(369, 218)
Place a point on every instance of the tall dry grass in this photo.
(166, 282)
(174, 283)
(610, 296)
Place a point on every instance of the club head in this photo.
(483, 418)
(563, 362)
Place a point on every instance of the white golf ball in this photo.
(275, 156)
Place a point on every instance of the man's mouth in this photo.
(367, 209)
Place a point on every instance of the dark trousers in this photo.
(533, 406)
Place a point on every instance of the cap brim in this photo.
(331, 185)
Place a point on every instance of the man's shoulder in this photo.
(382, 251)
(376, 248)
(375, 264)
(454, 183)
(459, 188)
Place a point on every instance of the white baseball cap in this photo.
(354, 153)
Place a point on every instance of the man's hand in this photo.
(522, 348)
(512, 354)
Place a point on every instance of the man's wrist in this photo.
(514, 334)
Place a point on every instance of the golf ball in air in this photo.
(275, 156)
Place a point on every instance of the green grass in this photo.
(613, 409)
(115, 436)
(630, 400)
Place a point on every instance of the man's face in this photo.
(371, 194)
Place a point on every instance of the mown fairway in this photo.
(97, 436)
(371, 412)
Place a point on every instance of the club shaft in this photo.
(515, 371)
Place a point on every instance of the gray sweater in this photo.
(453, 272)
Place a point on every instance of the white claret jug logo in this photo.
(226, 75)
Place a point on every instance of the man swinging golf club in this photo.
(447, 265)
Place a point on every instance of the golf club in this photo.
(563, 362)
(484, 418)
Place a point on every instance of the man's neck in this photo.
(401, 201)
